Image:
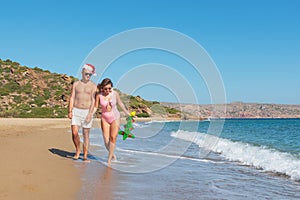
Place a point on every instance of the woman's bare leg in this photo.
(105, 132)
(106, 135)
(114, 129)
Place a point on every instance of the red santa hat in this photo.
(90, 68)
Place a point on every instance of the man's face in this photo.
(86, 74)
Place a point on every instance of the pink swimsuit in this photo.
(109, 116)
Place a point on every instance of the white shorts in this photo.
(79, 116)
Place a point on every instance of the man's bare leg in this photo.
(76, 141)
(86, 142)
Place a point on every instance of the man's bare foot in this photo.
(86, 160)
(77, 155)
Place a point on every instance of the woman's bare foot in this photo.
(86, 160)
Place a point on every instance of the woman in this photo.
(110, 117)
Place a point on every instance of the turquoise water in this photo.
(179, 160)
(280, 134)
(269, 144)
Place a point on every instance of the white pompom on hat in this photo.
(91, 68)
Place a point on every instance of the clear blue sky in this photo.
(255, 44)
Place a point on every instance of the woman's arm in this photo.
(92, 106)
(119, 101)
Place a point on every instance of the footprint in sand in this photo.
(3, 193)
(26, 172)
(29, 188)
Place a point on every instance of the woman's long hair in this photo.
(104, 82)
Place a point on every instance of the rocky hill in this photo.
(239, 110)
(33, 92)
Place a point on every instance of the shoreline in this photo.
(149, 119)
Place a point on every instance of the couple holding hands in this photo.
(84, 101)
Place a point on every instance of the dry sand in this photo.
(36, 160)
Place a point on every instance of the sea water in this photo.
(249, 158)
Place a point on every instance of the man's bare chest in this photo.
(86, 89)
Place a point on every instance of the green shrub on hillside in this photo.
(22, 69)
(134, 104)
(172, 110)
(143, 115)
(38, 69)
(27, 89)
(147, 103)
(9, 113)
(6, 70)
(23, 107)
(61, 112)
(4, 91)
(15, 64)
(12, 86)
(7, 61)
(17, 99)
(158, 109)
(47, 94)
(39, 101)
(55, 87)
(58, 94)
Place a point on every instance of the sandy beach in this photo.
(36, 160)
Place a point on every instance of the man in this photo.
(81, 109)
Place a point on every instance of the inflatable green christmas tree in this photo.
(128, 127)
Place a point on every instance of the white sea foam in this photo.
(163, 121)
(150, 153)
(257, 156)
(140, 125)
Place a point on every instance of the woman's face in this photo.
(107, 89)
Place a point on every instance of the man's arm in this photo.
(71, 102)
